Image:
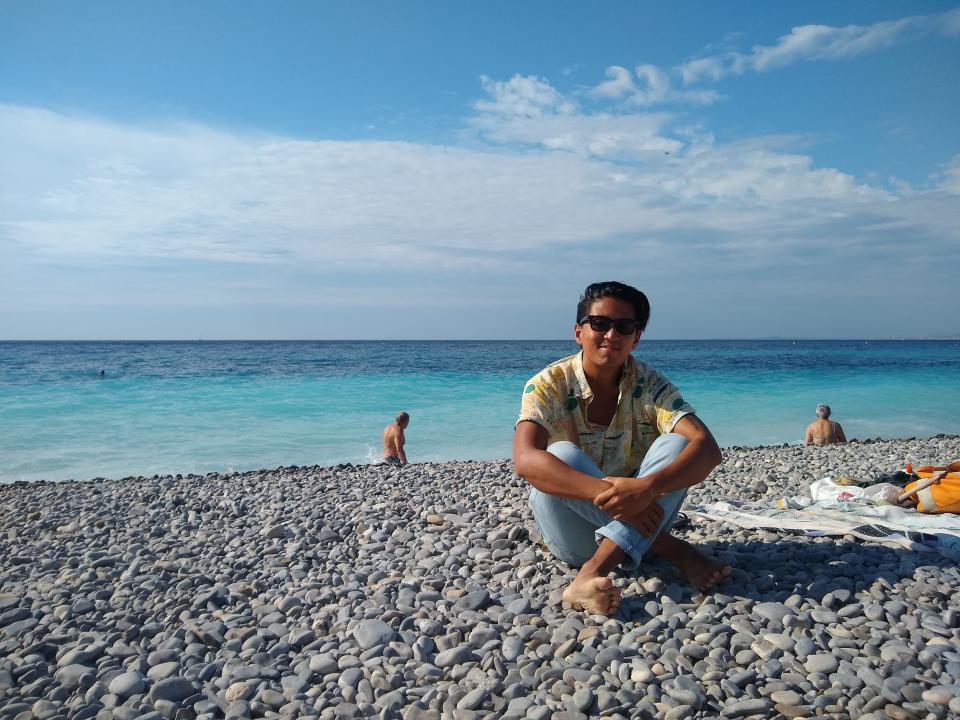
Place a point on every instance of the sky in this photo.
(427, 170)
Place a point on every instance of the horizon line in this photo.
(439, 340)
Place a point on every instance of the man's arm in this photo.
(808, 438)
(701, 454)
(840, 436)
(547, 473)
(400, 440)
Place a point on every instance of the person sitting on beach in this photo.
(823, 430)
(610, 447)
(393, 441)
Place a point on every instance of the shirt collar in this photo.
(584, 390)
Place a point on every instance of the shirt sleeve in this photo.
(541, 403)
(665, 405)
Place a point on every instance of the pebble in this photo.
(821, 663)
(127, 684)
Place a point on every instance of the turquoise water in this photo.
(196, 407)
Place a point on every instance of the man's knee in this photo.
(663, 451)
(565, 450)
(671, 443)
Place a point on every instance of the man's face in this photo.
(610, 348)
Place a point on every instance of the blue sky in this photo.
(463, 170)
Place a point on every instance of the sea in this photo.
(83, 410)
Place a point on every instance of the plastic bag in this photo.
(879, 494)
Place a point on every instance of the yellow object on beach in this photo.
(937, 490)
(844, 480)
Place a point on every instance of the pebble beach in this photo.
(424, 592)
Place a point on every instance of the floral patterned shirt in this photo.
(649, 406)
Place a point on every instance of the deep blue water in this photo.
(181, 407)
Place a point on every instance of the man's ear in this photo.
(576, 334)
(636, 339)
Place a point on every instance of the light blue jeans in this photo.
(572, 529)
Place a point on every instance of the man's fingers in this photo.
(603, 497)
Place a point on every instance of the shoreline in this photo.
(854, 442)
(424, 592)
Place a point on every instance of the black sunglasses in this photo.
(602, 323)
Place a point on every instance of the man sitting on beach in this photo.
(393, 441)
(610, 447)
(823, 430)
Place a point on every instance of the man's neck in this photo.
(601, 379)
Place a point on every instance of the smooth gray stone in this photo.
(74, 675)
(476, 600)
(744, 677)
(518, 707)
(163, 671)
(687, 691)
(804, 647)
(391, 700)
(370, 633)
(158, 657)
(174, 689)
(512, 648)
(15, 615)
(746, 707)
(272, 698)
(821, 663)
(608, 655)
(453, 656)
(824, 617)
(473, 699)
(773, 610)
(323, 664)
(82, 655)
(127, 684)
(583, 699)
(238, 709)
(520, 606)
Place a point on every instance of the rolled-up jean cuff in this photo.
(626, 539)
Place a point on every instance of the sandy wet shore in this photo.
(423, 592)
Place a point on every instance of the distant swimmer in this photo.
(824, 431)
(394, 439)
(102, 373)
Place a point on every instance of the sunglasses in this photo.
(602, 323)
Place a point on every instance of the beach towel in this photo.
(888, 524)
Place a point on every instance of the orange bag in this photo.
(937, 490)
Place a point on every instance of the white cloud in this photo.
(709, 67)
(819, 42)
(522, 96)
(654, 87)
(951, 176)
(823, 42)
(619, 83)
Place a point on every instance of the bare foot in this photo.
(702, 572)
(595, 595)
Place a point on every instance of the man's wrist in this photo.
(653, 485)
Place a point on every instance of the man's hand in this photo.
(647, 521)
(626, 498)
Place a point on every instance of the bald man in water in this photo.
(394, 439)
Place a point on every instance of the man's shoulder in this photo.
(564, 362)
(642, 373)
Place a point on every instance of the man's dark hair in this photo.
(402, 417)
(618, 291)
